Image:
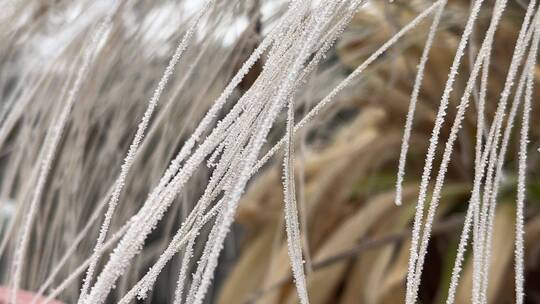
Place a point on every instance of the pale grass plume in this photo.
(412, 277)
(49, 149)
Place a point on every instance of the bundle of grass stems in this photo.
(269, 151)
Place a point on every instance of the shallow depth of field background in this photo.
(356, 240)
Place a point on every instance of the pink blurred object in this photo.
(23, 297)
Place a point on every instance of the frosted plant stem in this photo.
(186, 258)
(460, 254)
(458, 260)
(473, 208)
(485, 210)
(232, 164)
(531, 59)
(128, 161)
(475, 204)
(209, 258)
(294, 242)
(411, 282)
(49, 151)
(474, 198)
(216, 247)
(346, 82)
(522, 172)
(485, 48)
(338, 29)
(413, 102)
(203, 262)
(230, 207)
(480, 99)
(493, 181)
(291, 212)
(205, 200)
(232, 144)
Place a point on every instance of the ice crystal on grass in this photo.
(480, 212)
(522, 168)
(230, 138)
(134, 147)
(413, 279)
(414, 99)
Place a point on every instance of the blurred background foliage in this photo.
(356, 242)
